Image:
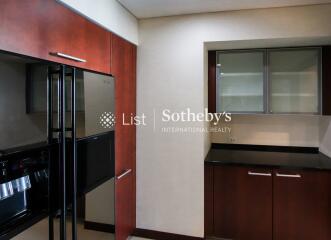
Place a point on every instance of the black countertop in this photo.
(268, 156)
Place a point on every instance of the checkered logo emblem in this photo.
(107, 120)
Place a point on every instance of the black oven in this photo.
(24, 175)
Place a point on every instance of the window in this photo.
(268, 81)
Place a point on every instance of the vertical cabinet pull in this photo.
(288, 175)
(259, 174)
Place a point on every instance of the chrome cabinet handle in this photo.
(259, 174)
(126, 172)
(288, 175)
(63, 55)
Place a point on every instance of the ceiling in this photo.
(158, 8)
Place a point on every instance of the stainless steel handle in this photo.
(288, 175)
(59, 54)
(259, 174)
(126, 172)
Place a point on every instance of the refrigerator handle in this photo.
(50, 140)
(62, 151)
(74, 154)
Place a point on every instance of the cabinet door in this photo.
(242, 203)
(294, 80)
(302, 205)
(124, 71)
(240, 81)
(209, 201)
(42, 28)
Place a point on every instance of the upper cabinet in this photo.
(294, 80)
(240, 81)
(275, 81)
(47, 30)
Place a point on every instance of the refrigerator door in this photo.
(95, 160)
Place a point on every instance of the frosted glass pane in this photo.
(294, 78)
(240, 82)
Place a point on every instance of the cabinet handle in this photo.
(63, 55)
(126, 172)
(288, 175)
(259, 174)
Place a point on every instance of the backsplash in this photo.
(267, 129)
(325, 135)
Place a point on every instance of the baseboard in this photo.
(138, 232)
(100, 227)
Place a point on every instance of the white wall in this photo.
(325, 135)
(172, 74)
(279, 130)
(109, 14)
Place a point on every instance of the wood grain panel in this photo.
(242, 203)
(124, 70)
(212, 81)
(326, 80)
(302, 206)
(209, 201)
(38, 28)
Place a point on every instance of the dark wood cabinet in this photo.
(123, 61)
(302, 205)
(209, 200)
(254, 204)
(41, 28)
(326, 80)
(322, 99)
(243, 203)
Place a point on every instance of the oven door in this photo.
(24, 145)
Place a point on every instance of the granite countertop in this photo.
(268, 156)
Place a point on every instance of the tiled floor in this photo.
(39, 231)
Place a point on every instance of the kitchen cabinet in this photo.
(267, 203)
(243, 203)
(326, 81)
(294, 80)
(123, 63)
(302, 205)
(209, 200)
(45, 28)
(240, 81)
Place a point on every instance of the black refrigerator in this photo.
(57, 153)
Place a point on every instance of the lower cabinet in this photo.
(262, 204)
(243, 203)
(302, 205)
